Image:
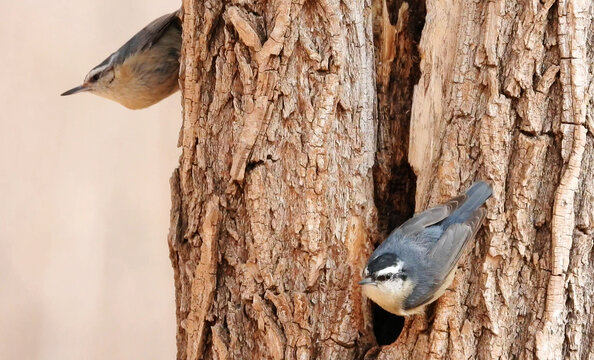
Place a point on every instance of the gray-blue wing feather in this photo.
(419, 222)
(442, 259)
(433, 277)
(145, 38)
(430, 216)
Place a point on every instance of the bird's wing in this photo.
(451, 244)
(411, 228)
(145, 38)
(151, 33)
(430, 217)
(443, 259)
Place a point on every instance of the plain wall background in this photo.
(84, 190)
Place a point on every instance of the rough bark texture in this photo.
(285, 160)
(505, 94)
(273, 199)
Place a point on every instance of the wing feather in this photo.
(444, 257)
(144, 39)
(430, 216)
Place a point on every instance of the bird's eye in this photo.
(94, 78)
(382, 277)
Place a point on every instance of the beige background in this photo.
(84, 194)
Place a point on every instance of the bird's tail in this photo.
(476, 196)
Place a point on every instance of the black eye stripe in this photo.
(385, 277)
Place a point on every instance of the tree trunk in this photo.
(505, 95)
(285, 161)
(273, 199)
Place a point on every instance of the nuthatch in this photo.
(416, 263)
(144, 70)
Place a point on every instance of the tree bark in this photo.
(505, 94)
(273, 199)
(296, 128)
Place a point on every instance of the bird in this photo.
(417, 261)
(142, 72)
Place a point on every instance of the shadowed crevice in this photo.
(386, 326)
(394, 179)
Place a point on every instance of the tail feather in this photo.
(476, 196)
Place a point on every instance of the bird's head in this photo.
(386, 282)
(384, 269)
(99, 81)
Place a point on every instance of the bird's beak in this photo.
(75, 90)
(366, 281)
